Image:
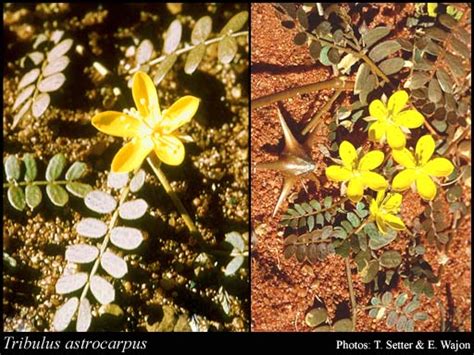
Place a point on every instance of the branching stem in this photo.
(335, 83)
(189, 48)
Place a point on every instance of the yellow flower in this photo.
(149, 128)
(391, 122)
(383, 210)
(420, 169)
(357, 172)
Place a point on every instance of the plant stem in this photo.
(341, 202)
(189, 48)
(335, 83)
(24, 183)
(105, 242)
(315, 120)
(155, 165)
(351, 293)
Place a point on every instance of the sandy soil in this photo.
(283, 291)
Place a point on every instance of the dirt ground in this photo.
(283, 291)
(212, 182)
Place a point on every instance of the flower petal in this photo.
(131, 155)
(439, 167)
(371, 160)
(395, 137)
(374, 181)
(403, 180)
(373, 207)
(381, 224)
(380, 196)
(378, 110)
(397, 102)
(348, 154)
(145, 97)
(169, 149)
(377, 131)
(355, 189)
(424, 149)
(426, 187)
(392, 202)
(338, 173)
(409, 119)
(404, 157)
(181, 112)
(118, 124)
(394, 222)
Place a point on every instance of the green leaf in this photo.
(352, 217)
(315, 204)
(236, 240)
(57, 194)
(369, 272)
(401, 323)
(361, 259)
(420, 316)
(55, 167)
(12, 168)
(300, 38)
(76, 171)
(299, 209)
(445, 81)
(375, 301)
(327, 201)
(347, 226)
(310, 222)
(412, 306)
(360, 210)
(401, 299)
(315, 49)
(227, 49)
(344, 248)
(235, 23)
(328, 216)
(362, 241)
(447, 20)
(31, 170)
(340, 232)
(434, 91)
(323, 56)
(343, 325)
(387, 298)
(164, 68)
(323, 328)
(79, 189)
(392, 65)
(373, 312)
(410, 325)
(316, 316)
(375, 35)
(378, 241)
(234, 265)
(392, 319)
(390, 259)
(172, 37)
(201, 30)
(307, 207)
(33, 196)
(320, 219)
(384, 49)
(16, 196)
(194, 58)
